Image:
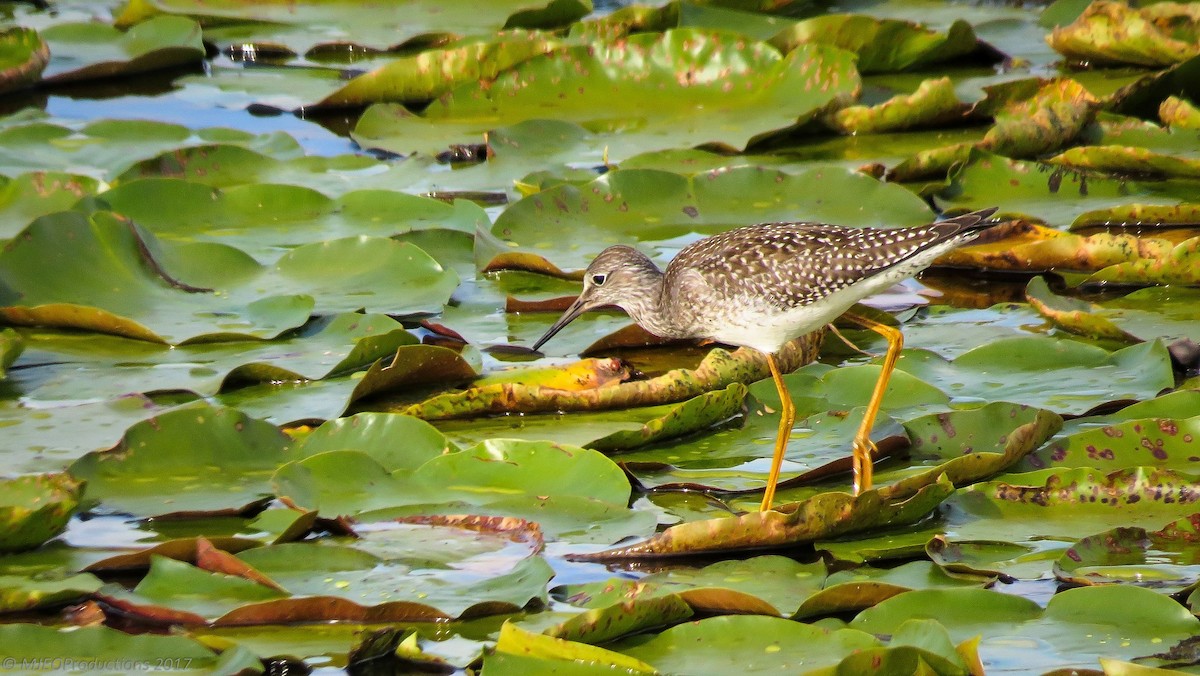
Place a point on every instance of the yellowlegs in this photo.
(763, 285)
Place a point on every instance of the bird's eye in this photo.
(599, 280)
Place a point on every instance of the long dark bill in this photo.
(577, 308)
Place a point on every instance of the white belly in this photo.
(766, 329)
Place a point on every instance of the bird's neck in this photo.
(646, 305)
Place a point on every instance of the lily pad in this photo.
(23, 57)
(732, 643)
(1077, 626)
(21, 593)
(69, 366)
(157, 291)
(650, 206)
(85, 51)
(36, 508)
(575, 494)
(11, 346)
(103, 149)
(605, 87)
(1074, 315)
(1172, 443)
(934, 102)
(1065, 376)
(1114, 32)
(882, 45)
(1165, 559)
(180, 449)
(264, 219)
(99, 645)
(311, 25)
(31, 195)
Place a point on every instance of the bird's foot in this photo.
(865, 451)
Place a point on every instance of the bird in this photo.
(760, 286)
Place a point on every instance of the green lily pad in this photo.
(375, 434)
(1114, 32)
(1128, 160)
(85, 51)
(1073, 315)
(36, 508)
(1028, 126)
(1062, 375)
(1178, 266)
(523, 652)
(483, 573)
(263, 219)
(1077, 626)
(71, 366)
(102, 648)
(607, 86)
(1050, 193)
(863, 587)
(157, 291)
(20, 593)
(23, 57)
(425, 76)
(103, 149)
(39, 437)
(633, 205)
(934, 102)
(1178, 113)
(31, 195)
(576, 494)
(1165, 560)
(882, 45)
(180, 449)
(727, 644)
(11, 346)
(308, 26)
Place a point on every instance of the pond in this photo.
(272, 273)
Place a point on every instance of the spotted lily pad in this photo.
(35, 508)
(1114, 32)
(1147, 442)
(604, 87)
(882, 45)
(1164, 559)
(933, 102)
(23, 57)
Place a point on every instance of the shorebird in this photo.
(763, 285)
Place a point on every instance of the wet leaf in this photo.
(375, 434)
(1178, 113)
(35, 508)
(1127, 160)
(933, 103)
(20, 593)
(1181, 265)
(1073, 315)
(11, 346)
(1046, 192)
(1113, 32)
(1065, 376)
(34, 194)
(516, 650)
(727, 644)
(84, 51)
(692, 415)
(310, 26)
(649, 206)
(425, 76)
(604, 87)
(1076, 627)
(1050, 118)
(69, 366)
(1165, 560)
(180, 449)
(601, 625)
(23, 57)
(864, 587)
(263, 219)
(103, 149)
(157, 291)
(99, 644)
(882, 45)
(1142, 442)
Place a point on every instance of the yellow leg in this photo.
(863, 446)
(787, 418)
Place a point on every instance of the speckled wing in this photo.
(794, 264)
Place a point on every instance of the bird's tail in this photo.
(974, 222)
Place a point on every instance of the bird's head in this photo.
(620, 276)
